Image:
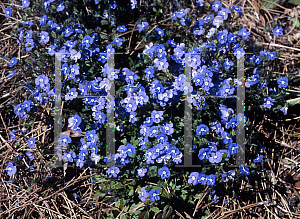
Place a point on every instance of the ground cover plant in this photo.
(153, 106)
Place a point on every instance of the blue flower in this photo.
(131, 106)
(61, 6)
(225, 138)
(12, 135)
(202, 129)
(282, 82)
(268, 102)
(43, 19)
(218, 20)
(92, 136)
(13, 61)
(86, 41)
(25, 3)
(159, 32)
(132, 117)
(130, 149)
(202, 178)
(271, 55)
(284, 110)
(110, 49)
(29, 155)
(216, 157)
(226, 90)
(133, 4)
(143, 194)
(11, 169)
(65, 140)
(227, 64)
(7, 12)
(44, 37)
(142, 26)
(215, 198)
(157, 116)
(113, 171)
(27, 105)
(239, 52)
(149, 73)
(31, 142)
(72, 94)
(244, 170)
(199, 3)
(231, 38)
(164, 172)
(74, 122)
(204, 153)
(224, 13)
(68, 31)
(19, 111)
(237, 9)
(72, 70)
(277, 31)
(141, 171)
(150, 155)
(228, 175)
(41, 80)
(232, 149)
(167, 128)
(258, 159)
(244, 33)
(130, 77)
(216, 6)
(29, 44)
(222, 36)
(193, 178)
(258, 60)
(51, 50)
(113, 4)
(154, 195)
(173, 151)
(121, 29)
(117, 41)
(210, 180)
(153, 131)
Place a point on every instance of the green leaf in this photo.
(143, 215)
(104, 22)
(131, 191)
(135, 142)
(295, 1)
(53, 34)
(109, 199)
(104, 37)
(99, 194)
(296, 21)
(198, 196)
(155, 209)
(123, 140)
(167, 211)
(165, 194)
(270, 5)
(292, 102)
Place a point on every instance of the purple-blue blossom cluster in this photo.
(143, 97)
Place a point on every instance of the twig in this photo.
(277, 45)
